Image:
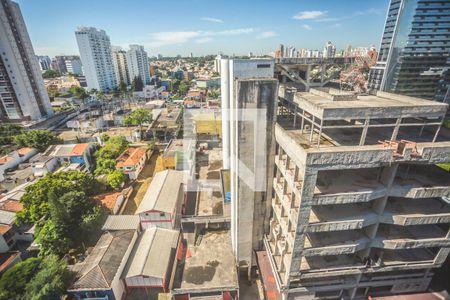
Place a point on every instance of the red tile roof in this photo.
(79, 149)
(109, 200)
(7, 258)
(130, 157)
(5, 159)
(11, 205)
(24, 151)
(4, 228)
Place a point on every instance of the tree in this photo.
(122, 87)
(14, 280)
(184, 87)
(116, 178)
(35, 200)
(39, 139)
(138, 117)
(137, 84)
(50, 282)
(104, 166)
(50, 74)
(78, 92)
(8, 132)
(113, 147)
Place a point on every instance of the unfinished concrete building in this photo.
(357, 196)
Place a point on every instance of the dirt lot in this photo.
(140, 186)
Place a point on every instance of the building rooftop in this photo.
(109, 199)
(4, 228)
(7, 217)
(330, 104)
(7, 258)
(130, 157)
(208, 265)
(25, 151)
(102, 264)
(152, 253)
(66, 150)
(162, 193)
(121, 222)
(11, 205)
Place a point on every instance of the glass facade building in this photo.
(414, 57)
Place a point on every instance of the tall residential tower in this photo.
(414, 56)
(22, 92)
(96, 57)
(137, 61)
(120, 65)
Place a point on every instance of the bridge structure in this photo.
(298, 70)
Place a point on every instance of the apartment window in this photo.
(262, 66)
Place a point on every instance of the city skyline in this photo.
(200, 28)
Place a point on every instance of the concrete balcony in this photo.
(408, 257)
(288, 173)
(334, 243)
(405, 211)
(417, 236)
(341, 217)
(347, 186)
(327, 264)
(421, 182)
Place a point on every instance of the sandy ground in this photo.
(140, 186)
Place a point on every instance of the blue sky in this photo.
(202, 27)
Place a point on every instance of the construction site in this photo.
(358, 207)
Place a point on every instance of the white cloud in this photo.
(267, 34)
(309, 15)
(327, 20)
(307, 27)
(159, 39)
(336, 25)
(203, 40)
(214, 20)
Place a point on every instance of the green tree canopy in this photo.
(36, 198)
(78, 92)
(14, 280)
(116, 178)
(50, 74)
(104, 166)
(50, 282)
(122, 87)
(139, 117)
(184, 87)
(137, 84)
(39, 139)
(113, 147)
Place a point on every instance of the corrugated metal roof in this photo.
(162, 194)
(102, 264)
(7, 217)
(152, 253)
(121, 222)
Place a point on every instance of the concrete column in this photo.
(308, 75)
(225, 105)
(323, 71)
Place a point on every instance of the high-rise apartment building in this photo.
(414, 56)
(44, 62)
(22, 92)
(357, 206)
(120, 65)
(329, 51)
(137, 61)
(249, 101)
(95, 51)
(73, 65)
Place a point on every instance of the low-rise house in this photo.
(196, 95)
(8, 259)
(122, 222)
(22, 174)
(114, 200)
(151, 265)
(132, 161)
(7, 230)
(162, 202)
(15, 158)
(42, 164)
(98, 277)
(73, 154)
